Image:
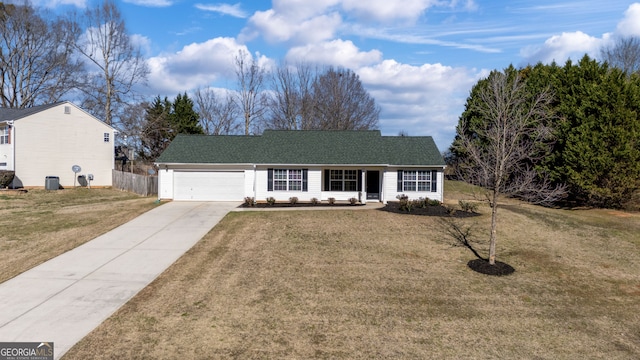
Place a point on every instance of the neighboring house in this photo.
(302, 164)
(48, 140)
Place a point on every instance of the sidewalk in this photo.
(65, 298)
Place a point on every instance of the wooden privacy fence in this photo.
(135, 183)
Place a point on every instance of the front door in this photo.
(373, 185)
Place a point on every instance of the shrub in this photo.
(293, 200)
(314, 201)
(419, 203)
(271, 200)
(331, 201)
(6, 177)
(404, 203)
(249, 201)
(468, 206)
(434, 202)
(353, 201)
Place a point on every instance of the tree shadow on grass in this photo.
(481, 265)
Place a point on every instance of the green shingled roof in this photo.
(303, 147)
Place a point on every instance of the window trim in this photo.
(416, 184)
(329, 180)
(5, 135)
(293, 177)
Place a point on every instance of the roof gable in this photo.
(7, 114)
(293, 147)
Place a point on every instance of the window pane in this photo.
(350, 186)
(409, 175)
(424, 175)
(295, 185)
(424, 186)
(350, 174)
(279, 185)
(336, 174)
(409, 186)
(336, 185)
(279, 174)
(295, 174)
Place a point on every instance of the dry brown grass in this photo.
(39, 225)
(372, 284)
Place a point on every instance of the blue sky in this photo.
(417, 58)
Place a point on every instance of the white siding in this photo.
(314, 185)
(50, 142)
(390, 186)
(165, 184)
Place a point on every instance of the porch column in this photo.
(363, 181)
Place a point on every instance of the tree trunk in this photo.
(494, 221)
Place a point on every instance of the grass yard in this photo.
(39, 225)
(372, 284)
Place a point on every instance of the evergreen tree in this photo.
(157, 131)
(184, 119)
(595, 114)
(598, 152)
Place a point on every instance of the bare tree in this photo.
(250, 97)
(116, 63)
(292, 104)
(499, 150)
(36, 62)
(624, 54)
(132, 123)
(342, 103)
(286, 101)
(218, 114)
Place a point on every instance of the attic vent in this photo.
(67, 109)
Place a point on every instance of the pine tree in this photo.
(184, 118)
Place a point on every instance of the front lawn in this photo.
(39, 225)
(374, 284)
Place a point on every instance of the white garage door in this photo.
(208, 185)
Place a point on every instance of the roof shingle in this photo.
(302, 148)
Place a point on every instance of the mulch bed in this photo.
(431, 210)
(264, 205)
(499, 269)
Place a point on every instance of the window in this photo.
(343, 180)
(417, 180)
(106, 137)
(4, 135)
(287, 179)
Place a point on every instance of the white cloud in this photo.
(196, 65)
(141, 41)
(225, 9)
(278, 27)
(388, 11)
(336, 52)
(560, 48)
(150, 3)
(55, 3)
(423, 100)
(630, 24)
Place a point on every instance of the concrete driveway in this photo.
(66, 297)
